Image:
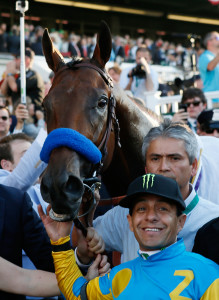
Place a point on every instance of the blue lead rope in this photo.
(72, 139)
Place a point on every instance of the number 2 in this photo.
(189, 276)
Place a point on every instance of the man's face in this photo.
(5, 122)
(155, 223)
(213, 42)
(18, 62)
(18, 148)
(195, 107)
(144, 54)
(168, 157)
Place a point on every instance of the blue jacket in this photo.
(21, 228)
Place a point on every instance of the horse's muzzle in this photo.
(64, 195)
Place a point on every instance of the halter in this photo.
(92, 182)
(111, 118)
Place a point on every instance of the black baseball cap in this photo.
(153, 184)
(209, 119)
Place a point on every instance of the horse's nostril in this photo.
(74, 185)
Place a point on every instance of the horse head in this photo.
(77, 110)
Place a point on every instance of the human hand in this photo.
(144, 62)
(180, 116)
(54, 229)
(99, 267)
(11, 67)
(89, 246)
(39, 115)
(21, 113)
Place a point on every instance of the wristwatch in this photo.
(10, 74)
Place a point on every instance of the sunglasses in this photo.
(215, 38)
(195, 103)
(4, 118)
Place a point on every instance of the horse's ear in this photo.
(103, 47)
(53, 57)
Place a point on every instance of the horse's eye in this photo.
(102, 102)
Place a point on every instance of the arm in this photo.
(212, 291)
(129, 85)
(21, 114)
(27, 282)
(35, 241)
(69, 277)
(9, 81)
(88, 247)
(148, 82)
(30, 166)
(213, 63)
(180, 116)
(112, 227)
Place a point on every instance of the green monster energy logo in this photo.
(146, 180)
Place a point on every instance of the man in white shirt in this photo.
(142, 79)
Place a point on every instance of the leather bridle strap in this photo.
(104, 75)
(112, 104)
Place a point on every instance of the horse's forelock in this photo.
(75, 60)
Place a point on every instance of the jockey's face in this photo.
(155, 223)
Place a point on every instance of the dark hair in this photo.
(6, 108)
(193, 92)
(5, 145)
(143, 48)
(179, 211)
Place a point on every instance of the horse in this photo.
(82, 99)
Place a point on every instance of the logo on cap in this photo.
(146, 180)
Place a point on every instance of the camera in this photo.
(138, 71)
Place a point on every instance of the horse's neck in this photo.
(134, 120)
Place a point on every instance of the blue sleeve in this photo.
(204, 61)
(35, 242)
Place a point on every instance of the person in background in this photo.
(207, 240)
(115, 72)
(6, 120)
(208, 63)
(142, 77)
(36, 46)
(21, 229)
(118, 49)
(11, 86)
(208, 123)
(192, 104)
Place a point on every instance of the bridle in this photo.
(93, 182)
(78, 142)
(111, 118)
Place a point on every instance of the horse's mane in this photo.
(120, 93)
(147, 110)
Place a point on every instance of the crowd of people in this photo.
(166, 227)
(124, 47)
